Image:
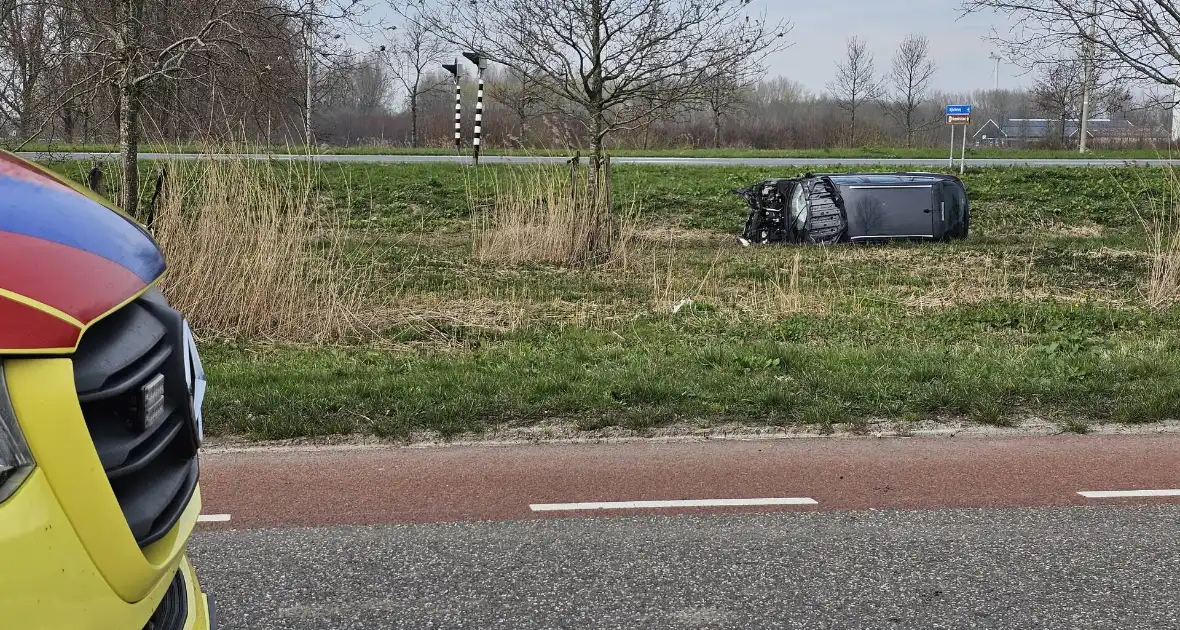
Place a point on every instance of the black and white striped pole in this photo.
(453, 68)
(480, 65)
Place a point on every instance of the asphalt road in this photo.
(918, 533)
(1069, 568)
(660, 161)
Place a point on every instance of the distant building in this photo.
(1100, 131)
(990, 134)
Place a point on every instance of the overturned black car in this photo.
(823, 209)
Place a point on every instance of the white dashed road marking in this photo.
(634, 505)
(213, 518)
(1123, 494)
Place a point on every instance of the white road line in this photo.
(213, 518)
(1121, 494)
(634, 505)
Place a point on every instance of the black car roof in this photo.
(880, 179)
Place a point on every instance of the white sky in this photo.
(821, 28)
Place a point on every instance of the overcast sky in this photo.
(823, 26)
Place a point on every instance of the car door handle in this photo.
(927, 211)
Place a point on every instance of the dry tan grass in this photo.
(683, 236)
(252, 253)
(431, 313)
(540, 214)
(1162, 287)
(1081, 230)
(1161, 224)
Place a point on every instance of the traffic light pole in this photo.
(480, 64)
(454, 70)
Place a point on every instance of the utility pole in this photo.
(1088, 71)
(1176, 116)
(996, 58)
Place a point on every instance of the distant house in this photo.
(1100, 131)
(990, 134)
(1024, 131)
(1124, 135)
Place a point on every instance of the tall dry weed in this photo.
(252, 252)
(1161, 224)
(543, 214)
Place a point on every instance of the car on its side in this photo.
(852, 207)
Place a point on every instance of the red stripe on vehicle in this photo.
(23, 327)
(78, 283)
(14, 167)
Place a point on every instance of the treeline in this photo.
(266, 71)
(66, 73)
(774, 113)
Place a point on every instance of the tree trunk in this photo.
(596, 138)
(852, 128)
(909, 128)
(716, 129)
(67, 124)
(129, 147)
(414, 120)
(601, 217)
(27, 107)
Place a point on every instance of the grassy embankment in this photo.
(1048, 310)
(832, 153)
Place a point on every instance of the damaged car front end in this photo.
(826, 209)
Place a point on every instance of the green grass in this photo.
(429, 197)
(1039, 313)
(881, 152)
(655, 372)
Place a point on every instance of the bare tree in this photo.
(727, 92)
(31, 36)
(135, 45)
(370, 85)
(855, 83)
(1138, 39)
(909, 80)
(1116, 99)
(416, 51)
(521, 95)
(1058, 92)
(604, 56)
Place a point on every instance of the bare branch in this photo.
(910, 78)
(855, 83)
(1132, 39)
(618, 61)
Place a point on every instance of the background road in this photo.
(660, 161)
(917, 533)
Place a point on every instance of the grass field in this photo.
(1046, 311)
(832, 153)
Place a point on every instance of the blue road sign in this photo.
(958, 110)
